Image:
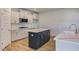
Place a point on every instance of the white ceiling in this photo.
(42, 9)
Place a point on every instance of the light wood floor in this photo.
(22, 45)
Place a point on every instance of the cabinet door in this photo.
(26, 33)
(34, 40)
(5, 27)
(14, 34)
(35, 16)
(14, 16)
(20, 34)
(30, 17)
(22, 13)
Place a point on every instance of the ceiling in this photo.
(42, 9)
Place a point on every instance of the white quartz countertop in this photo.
(30, 29)
(37, 30)
(72, 37)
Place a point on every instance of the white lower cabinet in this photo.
(13, 35)
(16, 35)
(20, 35)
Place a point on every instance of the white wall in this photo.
(59, 20)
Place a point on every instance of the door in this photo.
(5, 27)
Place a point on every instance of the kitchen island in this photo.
(67, 41)
(38, 37)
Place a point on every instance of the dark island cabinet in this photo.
(38, 39)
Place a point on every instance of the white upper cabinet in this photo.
(14, 16)
(22, 13)
(30, 17)
(35, 16)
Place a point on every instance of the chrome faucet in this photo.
(76, 31)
